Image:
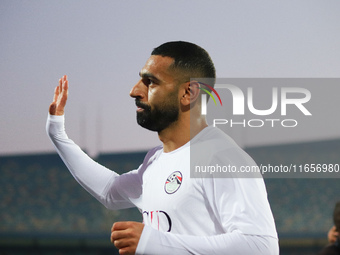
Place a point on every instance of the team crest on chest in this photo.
(173, 182)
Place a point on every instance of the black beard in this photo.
(158, 118)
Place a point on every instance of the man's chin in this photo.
(148, 127)
(153, 122)
(145, 123)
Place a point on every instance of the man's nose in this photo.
(137, 90)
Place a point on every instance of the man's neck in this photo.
(179, 133)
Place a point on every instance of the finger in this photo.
(125, 245)
(65, 86)
(126, 251)
(60, 85)
(63, 80)
(118, 234)
(121, 243)
(121, 225)
(62, 97)
(56, 94)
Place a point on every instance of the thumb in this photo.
(53, 108)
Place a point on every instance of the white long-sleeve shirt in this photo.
(182, 215)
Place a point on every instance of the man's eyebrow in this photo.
(148, 75)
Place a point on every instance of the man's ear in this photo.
(192, 92)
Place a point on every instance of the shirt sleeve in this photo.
(105, 185)
(154, 242)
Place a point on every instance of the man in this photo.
(333, 235)
(181, 215)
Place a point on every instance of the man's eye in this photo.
(148, 81)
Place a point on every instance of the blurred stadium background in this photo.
(43, 210)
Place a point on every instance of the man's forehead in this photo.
(157, 64)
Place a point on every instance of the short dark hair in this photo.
(188, 57)
(336, 216)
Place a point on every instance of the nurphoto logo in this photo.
(204, 97)
(244, 103)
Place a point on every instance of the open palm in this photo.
(60, 97)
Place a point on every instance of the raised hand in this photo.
(60, 97)
(125, 236)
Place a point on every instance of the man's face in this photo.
(156, 94)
